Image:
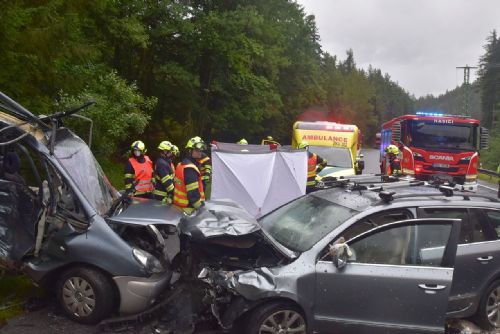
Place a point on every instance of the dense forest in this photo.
(489, 86)
(172, 69)
(453, 101)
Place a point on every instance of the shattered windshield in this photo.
(300, 224)
(335, 156)
(79, 162)
(431, 135)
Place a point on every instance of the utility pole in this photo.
(466, 69)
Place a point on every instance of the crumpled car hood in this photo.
(219, 218)
(147, 211)
(216, 218)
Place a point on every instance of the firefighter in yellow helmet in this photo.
(393, 164)
(164, 173)
(139, 171)
(189, 193)
(315, 164)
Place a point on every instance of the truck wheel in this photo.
(85, 295)
(277, 317)
(488, 312)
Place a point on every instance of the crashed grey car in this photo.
(56, 222)
(361, 260)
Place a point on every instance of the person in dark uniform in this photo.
(164, 172)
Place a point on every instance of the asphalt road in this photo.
(48, 320)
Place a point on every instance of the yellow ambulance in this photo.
(338, 144)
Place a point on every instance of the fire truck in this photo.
(436, 147)
(339, 144)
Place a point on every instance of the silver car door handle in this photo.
(485, 258)
(431, 288)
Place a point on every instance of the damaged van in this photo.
(56, 206)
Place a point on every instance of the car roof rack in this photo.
(446, 191)
(386, 186)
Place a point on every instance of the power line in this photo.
(466, 69)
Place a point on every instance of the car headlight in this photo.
(148, 261)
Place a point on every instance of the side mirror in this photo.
(340, 253)
(361, 164)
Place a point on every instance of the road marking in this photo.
(481, 185)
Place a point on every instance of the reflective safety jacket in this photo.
(314, 163)
(164, 180)
(142, 175)
(205, 170)
(188, 187)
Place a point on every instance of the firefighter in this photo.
(188, 193)
(392, 159)
(175, 153)
(139, 172)
(164, 173)
(315, 164)
(205, 167)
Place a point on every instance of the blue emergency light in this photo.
(430, 113)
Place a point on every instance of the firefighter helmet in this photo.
(175, 150)
(392, 149)
(242, 141)
(166, 146)
(196, 143)
(304, 144)
(138, 145)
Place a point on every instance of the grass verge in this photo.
(14, 291)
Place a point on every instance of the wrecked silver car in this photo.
(56, 210)
(337, 270)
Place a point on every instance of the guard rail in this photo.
(490, 173)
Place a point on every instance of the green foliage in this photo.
(490, 158)
(120, 110)
(219, 69)
(452, 102)
(113, 170)
(489, 80)
(14, 290)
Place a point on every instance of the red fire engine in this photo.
(435, 146)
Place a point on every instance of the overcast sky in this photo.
(418, 42)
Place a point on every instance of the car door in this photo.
(477, 260)
(396, 281)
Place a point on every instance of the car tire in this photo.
(85, 295)
(276, 317)
(489, 304)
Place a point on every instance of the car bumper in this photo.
(138, 293)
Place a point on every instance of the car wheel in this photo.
(278, 317)
(85, 295)
(488, 313)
